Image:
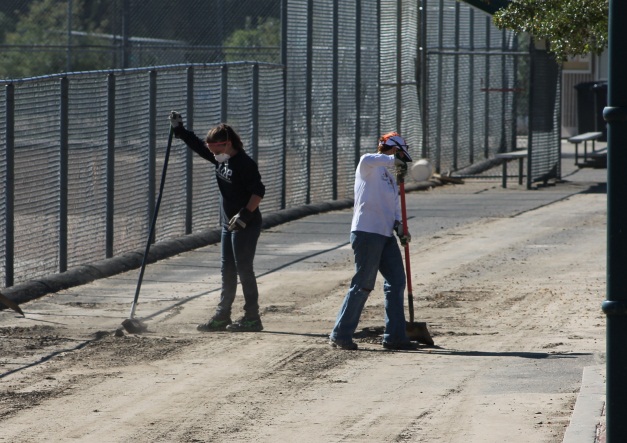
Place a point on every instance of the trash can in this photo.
(591, 99)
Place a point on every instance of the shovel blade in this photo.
(134, 326)
(417, 331)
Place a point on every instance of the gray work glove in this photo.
(176, 120)
(240, 220)
(400, 232)
(400, 166)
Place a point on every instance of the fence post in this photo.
(530, 120)
(357, 82)
(9, 191)
(378, 75)
(224, 96)
(255, 114)
(438, 124)
(486, 99)
(63, 173)
(515, 87)
(308, 99)
(334, 98)
(471, 90)
(399, 65)
(152, 145)
(503, 143)
(424, 77)
(456, 90)
(110, 224)
(284, 35)
(126, 25)
(189, 158)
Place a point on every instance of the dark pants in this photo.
(238, 254)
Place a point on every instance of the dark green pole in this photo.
(615, 307)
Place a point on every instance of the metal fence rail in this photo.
(81, 152)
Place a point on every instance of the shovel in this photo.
(131, 324)
(416, 331)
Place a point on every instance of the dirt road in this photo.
(513, 303)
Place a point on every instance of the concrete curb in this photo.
(588, 408)
(80, 275)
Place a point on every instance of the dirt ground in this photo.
(513, 304)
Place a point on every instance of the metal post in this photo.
(486, 116)
(152, 146)
(515, 87)
(530, 119)
(110, 212)
(615, 307)
(284, 59)
(9, 190)
(255, 114)
(334, 99)
(424, 78)
(438, 109)
(126, 25)
(503, 144)
(357, 82)
(63, 173)
(189, 158)
(399, 65)
(308, 98)
(69, 36)
(456, 89)
(378, 131)
(224, 94)
(471, 90)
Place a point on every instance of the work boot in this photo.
(346, 345)
(401, 346)
(246, 324)
(216, 323)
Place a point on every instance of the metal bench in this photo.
(514, 155)
(585, 138)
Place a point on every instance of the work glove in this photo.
(400, 232)
(400, 168)
(240, 220)
(176, 120)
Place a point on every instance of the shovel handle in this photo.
(410, 295)
(153, 223)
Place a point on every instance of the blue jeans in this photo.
(374, 253)
(238, 254)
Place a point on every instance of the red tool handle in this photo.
(410, 295)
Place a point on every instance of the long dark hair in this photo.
(224, 133)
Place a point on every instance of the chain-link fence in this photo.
(80, 152)
(470, 68)
(83, 153)
(486, 91)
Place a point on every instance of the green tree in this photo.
(572, 27)
(260, 42)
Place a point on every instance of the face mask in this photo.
(221, 158)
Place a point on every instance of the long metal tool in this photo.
(132, 324)
(416, 331)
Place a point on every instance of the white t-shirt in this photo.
(377, 203)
